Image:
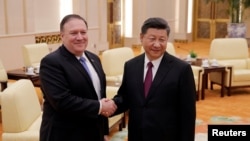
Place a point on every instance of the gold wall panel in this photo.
(203, 30)
(115, 22)
(204, 10)
(221, 30)
(117, 35)
(210, 20)
(48, 38)
(221, 10)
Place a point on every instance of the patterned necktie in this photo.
(148, 79)
(83, 62)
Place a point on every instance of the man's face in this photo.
(74, 36)
(154, 42)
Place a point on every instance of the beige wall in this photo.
(22, 20)
(143, 9)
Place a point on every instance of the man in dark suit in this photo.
(74, 95)
(167, 111)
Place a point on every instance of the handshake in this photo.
(108, 107)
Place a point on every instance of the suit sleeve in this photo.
(188, 105)
(121, 99)
(61, 86)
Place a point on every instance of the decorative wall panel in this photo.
(210, 20)
(49, 39)
(115, 30)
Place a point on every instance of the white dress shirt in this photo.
(156, 64)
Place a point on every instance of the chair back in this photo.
(228, 48)
(20, 106)
(170, 49)
(3, 73)
(3, 77)
(111, 91)
(113, 60)
(33, 54)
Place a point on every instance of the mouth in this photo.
(154, 50)
(80, 43)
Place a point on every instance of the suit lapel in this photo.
(72, 60)
(139, 72)
(95, 65)
(76, 63)
(98, 68)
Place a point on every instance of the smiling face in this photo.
(154, 42)
(74, 36)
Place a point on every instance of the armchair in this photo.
(171, 49)
(3, 77)
(232, 53)
(21, 112)
(113, 62)
(33, 53)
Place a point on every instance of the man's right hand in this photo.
(108, 107)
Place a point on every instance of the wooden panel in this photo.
(210, 20)
(115, 30)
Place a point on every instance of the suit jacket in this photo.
(71, 105)
(168, 112)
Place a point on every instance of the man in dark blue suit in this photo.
(165, 110)
(75, 107)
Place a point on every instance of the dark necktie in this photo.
(148, 79)
(83, 62)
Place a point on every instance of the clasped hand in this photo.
(108, 107)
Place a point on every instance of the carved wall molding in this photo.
(54, 38)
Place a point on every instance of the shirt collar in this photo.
(155, 63)
(83, 55)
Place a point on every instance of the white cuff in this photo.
(100, 108)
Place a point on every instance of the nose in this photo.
(79, 36)
(156, 44)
